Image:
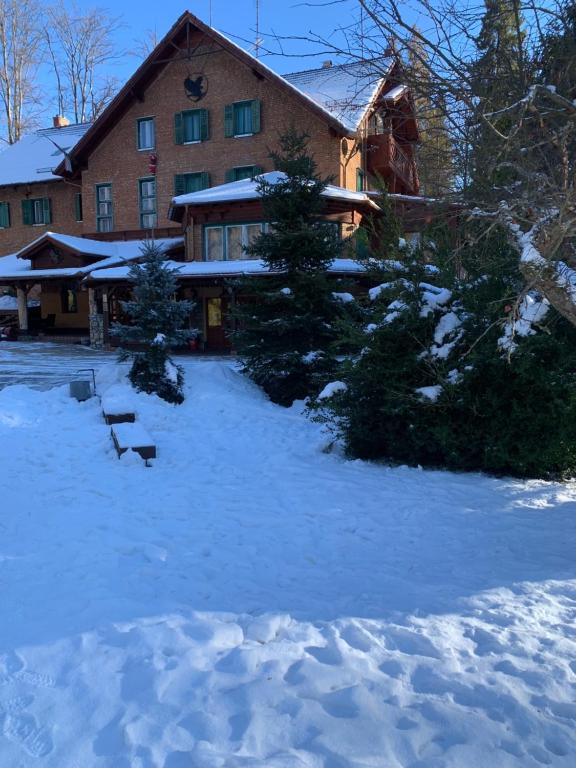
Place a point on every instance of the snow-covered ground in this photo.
(251, 600)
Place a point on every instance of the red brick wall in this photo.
(18, 234)
(117, 159)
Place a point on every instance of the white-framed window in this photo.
(37, 211)
(104, 208)
(228, 242)
(147, 201)
(146, 133)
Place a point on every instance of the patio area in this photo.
(42, 365)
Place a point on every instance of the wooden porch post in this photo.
(22, 298)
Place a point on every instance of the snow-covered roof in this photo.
(395, 93)
(221, 269)
(113, 253)
(37, 154)
(125, 249)
(247, 189)
(345, 91)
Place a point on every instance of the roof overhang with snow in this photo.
(337, 198)
(34, 158)
(198, 270)
(18, 267)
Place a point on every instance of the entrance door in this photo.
(216, 309)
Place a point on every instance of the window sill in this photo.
(146, 149)
(243, 135)
(187, 143)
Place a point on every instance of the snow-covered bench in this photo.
(117, 409)
(133, 436)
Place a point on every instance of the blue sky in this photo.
(237, 18)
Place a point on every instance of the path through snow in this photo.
(252, 601)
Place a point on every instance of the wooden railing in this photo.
(385, 155)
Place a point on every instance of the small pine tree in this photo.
(287, 325)
(158, 321)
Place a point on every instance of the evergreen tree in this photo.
(158, 324)
(287, 325)
(499, 77)
(434, 152)
(557, 55)
(453, 372)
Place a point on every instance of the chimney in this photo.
(326, 64)
(60, 121)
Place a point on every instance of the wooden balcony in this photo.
(385, 157)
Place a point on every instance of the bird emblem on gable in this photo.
(196, 87)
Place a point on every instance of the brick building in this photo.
(198, 113)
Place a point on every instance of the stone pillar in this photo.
(22, 297)
(105, 316)
(96, 321)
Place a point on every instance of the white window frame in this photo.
(224, 228)
(141, 120)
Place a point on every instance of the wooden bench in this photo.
(117, 410)
(133, 436)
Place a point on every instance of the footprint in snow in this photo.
(325, 654)
(15, 705)
(23, 730)
(340, 703)
(357, 638)
(35, 679)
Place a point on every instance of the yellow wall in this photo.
(51, 304)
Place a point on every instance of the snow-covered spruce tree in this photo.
(287, 323)
(457, 373)
(158, 324)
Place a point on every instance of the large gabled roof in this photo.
(35, 157)
(318, 93)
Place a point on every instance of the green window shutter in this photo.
(230, 175)
(46, 211)
(229, 120)
(4, 215)
(180, 184)
(78, 206)
(179, 128)
(204, 180)
(27, 212)
(204, 125)
(256, 116)
(257, 170)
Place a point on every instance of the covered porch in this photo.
(53, 268)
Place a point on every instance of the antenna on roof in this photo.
(258, 42)
(362, 29)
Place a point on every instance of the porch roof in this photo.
(17, 267)
(247, 189)
(201, 269)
